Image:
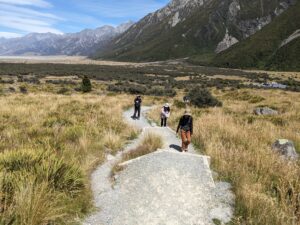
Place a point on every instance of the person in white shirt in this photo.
(165, 114)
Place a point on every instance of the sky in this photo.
(20, 17)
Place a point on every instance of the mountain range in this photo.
(228, 33)
(200, 30)
(81, 43)
(193, 27)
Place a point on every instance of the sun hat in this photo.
(188, 112)
(167, 105)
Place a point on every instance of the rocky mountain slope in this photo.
(82, 43)
(277, 46)
(193, 27)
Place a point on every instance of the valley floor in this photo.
(62, 59)
(54, 135)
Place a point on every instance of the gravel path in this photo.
(166, 187)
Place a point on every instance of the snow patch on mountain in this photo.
(175, 20)
(292, 37)
(227, 42)
(234, 8)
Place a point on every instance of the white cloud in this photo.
(27, 25)
(24, 20)
(26, 11)
(9, 35)
(37, 3)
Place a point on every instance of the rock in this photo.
(265, 111)
(286, 148)
(110, 157)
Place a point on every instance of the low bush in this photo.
(202, 98)
(141, 89)
(6, 81)
(70, 82)
(30, 80)
(86, 85)
(23, 90)
(179, 104)
(244, 96)
(63, 91)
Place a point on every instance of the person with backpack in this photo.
(185, 126)
(165, 114)
(137, 107)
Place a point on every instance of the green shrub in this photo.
(202, 98)
(179, 104)
(86, 85)
(23, 90)
(244, 96)
(63, 91)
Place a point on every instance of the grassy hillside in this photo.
(286, 58)
(262, 49)
(160, 42)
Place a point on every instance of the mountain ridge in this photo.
(276, 47)
(84, 42)
(192, 27)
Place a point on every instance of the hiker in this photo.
(165, 114)
(186, 129)
(186, 99)
(137, 107)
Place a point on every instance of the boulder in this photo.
(285, 148)
(265, 111)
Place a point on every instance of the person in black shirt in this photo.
(186, 129)
(137, 107)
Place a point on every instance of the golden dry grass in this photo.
(66, 136)
(267, 187)
(150, 143)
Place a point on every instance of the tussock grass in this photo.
(267, 187)
(150, 143)
(48, 146)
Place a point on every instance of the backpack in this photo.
(186, 127)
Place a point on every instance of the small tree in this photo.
(86, 85)
(202, 98)
(23, 90)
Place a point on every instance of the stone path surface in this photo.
(166, 187)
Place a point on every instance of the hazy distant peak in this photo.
(124, 26)
(81, 43)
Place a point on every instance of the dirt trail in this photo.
(162, 188)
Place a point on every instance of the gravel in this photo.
(166, 187)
